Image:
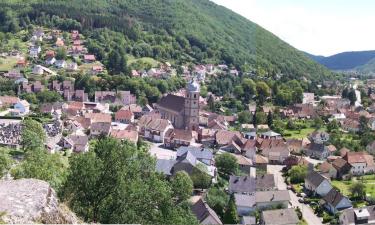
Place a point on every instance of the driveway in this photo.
(307, 212)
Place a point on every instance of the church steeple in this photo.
(192, 105)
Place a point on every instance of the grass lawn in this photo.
(369, 182)
(298, 134)
(151, 61)
(7, 63)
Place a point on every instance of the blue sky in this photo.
(321, 27)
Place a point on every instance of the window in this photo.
(195, 102)
(195, 95)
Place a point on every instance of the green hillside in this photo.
(196, 31)
(368, 68)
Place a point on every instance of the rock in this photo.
(27, 201)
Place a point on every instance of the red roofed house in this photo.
(124, 116)
(361, 162)
(129, 135)
(89, 58)
(175, 138)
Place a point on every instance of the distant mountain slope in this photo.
(345, 60)
(196, 30)
(367, 68)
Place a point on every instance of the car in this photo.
(301, 200)
(289, 187)
(299, 195)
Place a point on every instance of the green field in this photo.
(147, 60)
(368, 180)
(298, 134)
(7, 63)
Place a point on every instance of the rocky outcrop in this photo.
(32, 201)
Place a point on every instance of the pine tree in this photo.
(230, 215)
(270, 119)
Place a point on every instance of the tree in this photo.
(41, 165)
(5, 161)
(182, 186)
(244, 117)
(363, 124)
(33, 136)
(352, 97)
(217, 199)
(230, 215)
(358, 190)
(318, 123)
(270, 119)
(226, 164)
(249, 89)
(263, 91)
(200, 177)
(61, 53)
(345, 93)
(211, 103)
(297, 174)
(104, 184)
(333, 125)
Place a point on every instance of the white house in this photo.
(23, 107)
(361, 162)
(50, 61)
(38, 70)
(317, 184)
(60, 64)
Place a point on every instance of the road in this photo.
(307, 212)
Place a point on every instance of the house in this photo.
(34, 52)
(156, 129)
(97, 69)
(365, 215)
(77, 143)
(129, 135)
(23, 107)
(334, 201)
(342, 167)
(245, 204)
(164, 166)
(308, 98)
(279, 217)
(50, 61)
(265, 182)
(207, 137)
(248, 220)
(270, 135)
(202, 154)
(275, 150)
(72, 66)
(191, 165)
(38, 70)
(361, 162)
(100, 128)
(319, 137)
(120, 97)
(328, 170)
(124, 116)
(174, 138)
(317, 151)
(244, 163)
(89, 58)
(350, 125)
(372, 124)
(296, 145)
(316, 184)
(204, 214)
(242, 184)
(60, 64)
(261, 162)
(269, 199)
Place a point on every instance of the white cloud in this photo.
(318, 30)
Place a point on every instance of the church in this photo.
(183, 112)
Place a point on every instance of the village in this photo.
(293, 166)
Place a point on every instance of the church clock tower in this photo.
(192, 105)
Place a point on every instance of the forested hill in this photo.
(347, 60)
(182, 30)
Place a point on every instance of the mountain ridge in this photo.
(351, 60)
(196, 30)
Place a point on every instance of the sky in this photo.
(319, 27)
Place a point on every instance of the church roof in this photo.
(172, 102)
(193, 86)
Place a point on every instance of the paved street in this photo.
(161, 153)
(307, 212)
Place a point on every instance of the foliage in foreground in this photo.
(116, 183)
